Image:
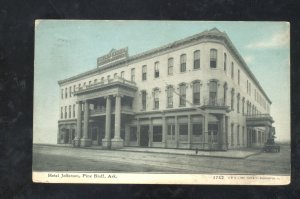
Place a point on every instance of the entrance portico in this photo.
(91, 105)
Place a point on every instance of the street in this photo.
(56, 158)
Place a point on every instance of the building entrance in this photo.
(66, 138)
(144, 136)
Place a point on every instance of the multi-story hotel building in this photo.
(197, 92)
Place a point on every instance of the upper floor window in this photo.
(232, 70)
(170, 66)
(197, 59)
(115, 75)
(213, 58)
(170, 96)
(225, 93)
(156, 98)
(144, 100)
(70, 107)
(61, 112)
(66, 112)
(102, 79)
(196, 92)
(182, 94)
(79, 86)
(74, 88)
(239, 77)
(84, 85)
(70, 91)
(156, 69)
(122, 74)
(213, 87)
(183, 63)
(133, 74)
(73, 110)
(66, 93)
(108, 77)
(225, 62)
(232, 99)
(62, 93)
(238, 103)
(144, 73)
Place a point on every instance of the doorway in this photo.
(144, 136)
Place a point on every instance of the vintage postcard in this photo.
(161, 102)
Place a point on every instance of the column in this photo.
(106, 141)
(164, 132)
(205, 132)
(78, 127)
(223, 145)
(85, 141)
(176, 131)
(117, 141)
(189, 132)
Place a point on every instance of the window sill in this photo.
(196, 69)
(182, 105)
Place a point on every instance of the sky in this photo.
(64, 48)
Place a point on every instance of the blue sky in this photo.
(66, 48)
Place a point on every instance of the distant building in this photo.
(193, 93)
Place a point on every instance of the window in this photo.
(238, 77)
(238, 103)
(90, 83)
(170, 66)
(62, 93)
(144, 73)
(144, 100)
(122, 74)
(170, 97)
(156, 69)
(74, 89)
(232, 99)
(133, 74)
(196, 92)
(243, 135)
(213, 92)
(213, 129)
(197, 59)
(213, 58)
(115, 75)
(133, 133)
(182, 94)
(243, 106)
(157, 133)
(79, 86)
(225, 93)
(197, 129)
(84, 85)
(156, 98)
(232, 70)
(70, 107)
(108, 78)
(225, 62)
(102, 79)
(95, 81)
(183, 129)
(70, 91)
(66, 92)
(66, 112)
(61, 112)
(183, 63)
(73, 110)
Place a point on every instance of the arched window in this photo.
(183, 63)
(213, 58)
(170, 66)
(144, 72)
(225, 62)
(170, 96)
(122, 74)
(232, 99)
(243, 105)
(196, 92)
(225, 93)
(197, 59)
(213, 87)
(133, 74)
(232, 70)
(115, 75)
(156, 69)
(182, 94)
(144, 99)
(238, 103)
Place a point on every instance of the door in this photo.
(144, 136)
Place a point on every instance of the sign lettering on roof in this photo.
(112, 56)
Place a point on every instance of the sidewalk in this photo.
(235, 154)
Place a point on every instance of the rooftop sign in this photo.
(113, 55)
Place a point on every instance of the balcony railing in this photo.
(105, 82)
(102, 110)
(214, 102)
(258, 116)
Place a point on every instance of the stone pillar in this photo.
(106, 141)
(150, 132)
(189, 132)
(205, 133)
(138, 133)
(176, 131)
(85, 141)
(164, 132)
(117, 141)
(78, 127)
(223, 145)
